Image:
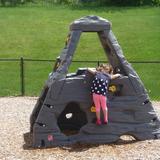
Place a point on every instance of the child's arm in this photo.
(114, 76)
(91, 70)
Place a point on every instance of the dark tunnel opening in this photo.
(71, 119)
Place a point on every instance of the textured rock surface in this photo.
(130, 109)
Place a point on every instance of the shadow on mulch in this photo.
(28, 141)
(79, 147)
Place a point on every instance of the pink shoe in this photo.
(105, 122)
(98, 122)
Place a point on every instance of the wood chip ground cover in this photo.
(14, 122)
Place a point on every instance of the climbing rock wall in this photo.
(66, 104)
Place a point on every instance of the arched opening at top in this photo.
(89, 52)
(71, 119)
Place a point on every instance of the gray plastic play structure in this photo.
(65, 103)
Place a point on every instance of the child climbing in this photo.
(102, 75)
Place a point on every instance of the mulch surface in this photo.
(14, 122)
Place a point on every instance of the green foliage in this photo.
(131, 2)
(9, 2)
(70, 2)
(110, 2)
(84, 2)
(13, 2)
(156, 2)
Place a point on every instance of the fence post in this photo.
(98, 63)
(22, 76)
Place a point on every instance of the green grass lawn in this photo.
(40, 32)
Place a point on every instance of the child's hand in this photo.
(91, 70)
(118, 75)
(115, 76)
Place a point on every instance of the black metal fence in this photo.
(22, 68)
